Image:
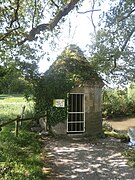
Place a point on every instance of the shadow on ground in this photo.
(75, 159)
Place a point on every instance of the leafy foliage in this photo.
(22, 21)
(13, 81)
(116, 103)
(25, 27)
(20, 157)
(53, 86)
(130, 154)
(112, 51)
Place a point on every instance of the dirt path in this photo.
(85, 160)
(123, 124)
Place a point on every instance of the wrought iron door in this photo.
(76, 113)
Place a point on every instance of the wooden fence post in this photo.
(17, 126)
(22, 115)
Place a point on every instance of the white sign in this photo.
(59, 102)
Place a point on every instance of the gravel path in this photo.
(83, 159)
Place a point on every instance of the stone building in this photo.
(84, 111)
(84, 114)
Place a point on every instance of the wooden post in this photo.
(17, 126)
(22, 115)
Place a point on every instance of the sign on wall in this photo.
(59, 102)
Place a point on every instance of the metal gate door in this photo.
(76, 113)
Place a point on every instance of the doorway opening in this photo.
(76, 113)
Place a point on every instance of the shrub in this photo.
(117, 104)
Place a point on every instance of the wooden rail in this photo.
(18, 121)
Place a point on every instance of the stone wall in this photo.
(60, 128)
(93, 114)
(93, 123)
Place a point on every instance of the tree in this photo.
(20, 16)
(24, 22)
(13, 81)
(113, 45)
(24, 28)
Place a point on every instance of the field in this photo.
(11, 106)
(19, 156)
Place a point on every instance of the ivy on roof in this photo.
(74, 65)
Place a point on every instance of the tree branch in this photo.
(55, 4)
(8, 33)
(92, 10)
(118, 52)
(52, 23)
(128, 38)
(126, 15)
(33, 18)
(62, 13)
(92, 17)
(10, 30)
(15, 18)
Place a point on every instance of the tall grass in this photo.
(19, 156)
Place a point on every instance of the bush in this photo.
(117, 104)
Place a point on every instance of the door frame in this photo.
(83, 112)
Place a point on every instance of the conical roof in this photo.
(73, 64)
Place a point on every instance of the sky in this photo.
(78, 34)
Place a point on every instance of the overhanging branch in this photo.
(34, 14)
(92, 10)
(125, 17)
(128, 38)
(93, 5)
(5, 35)
(55, 4)
(119, 52)
(15, 18)
(52, 23)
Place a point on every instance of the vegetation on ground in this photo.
(130, 154)
(20, 156)
(11, 106)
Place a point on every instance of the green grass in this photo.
(19, 156)
(130, 154)
(11, 106)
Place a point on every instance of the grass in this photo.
(20, 156)
(11, 106)
(130, 154)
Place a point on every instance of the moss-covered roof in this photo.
(73, 64)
